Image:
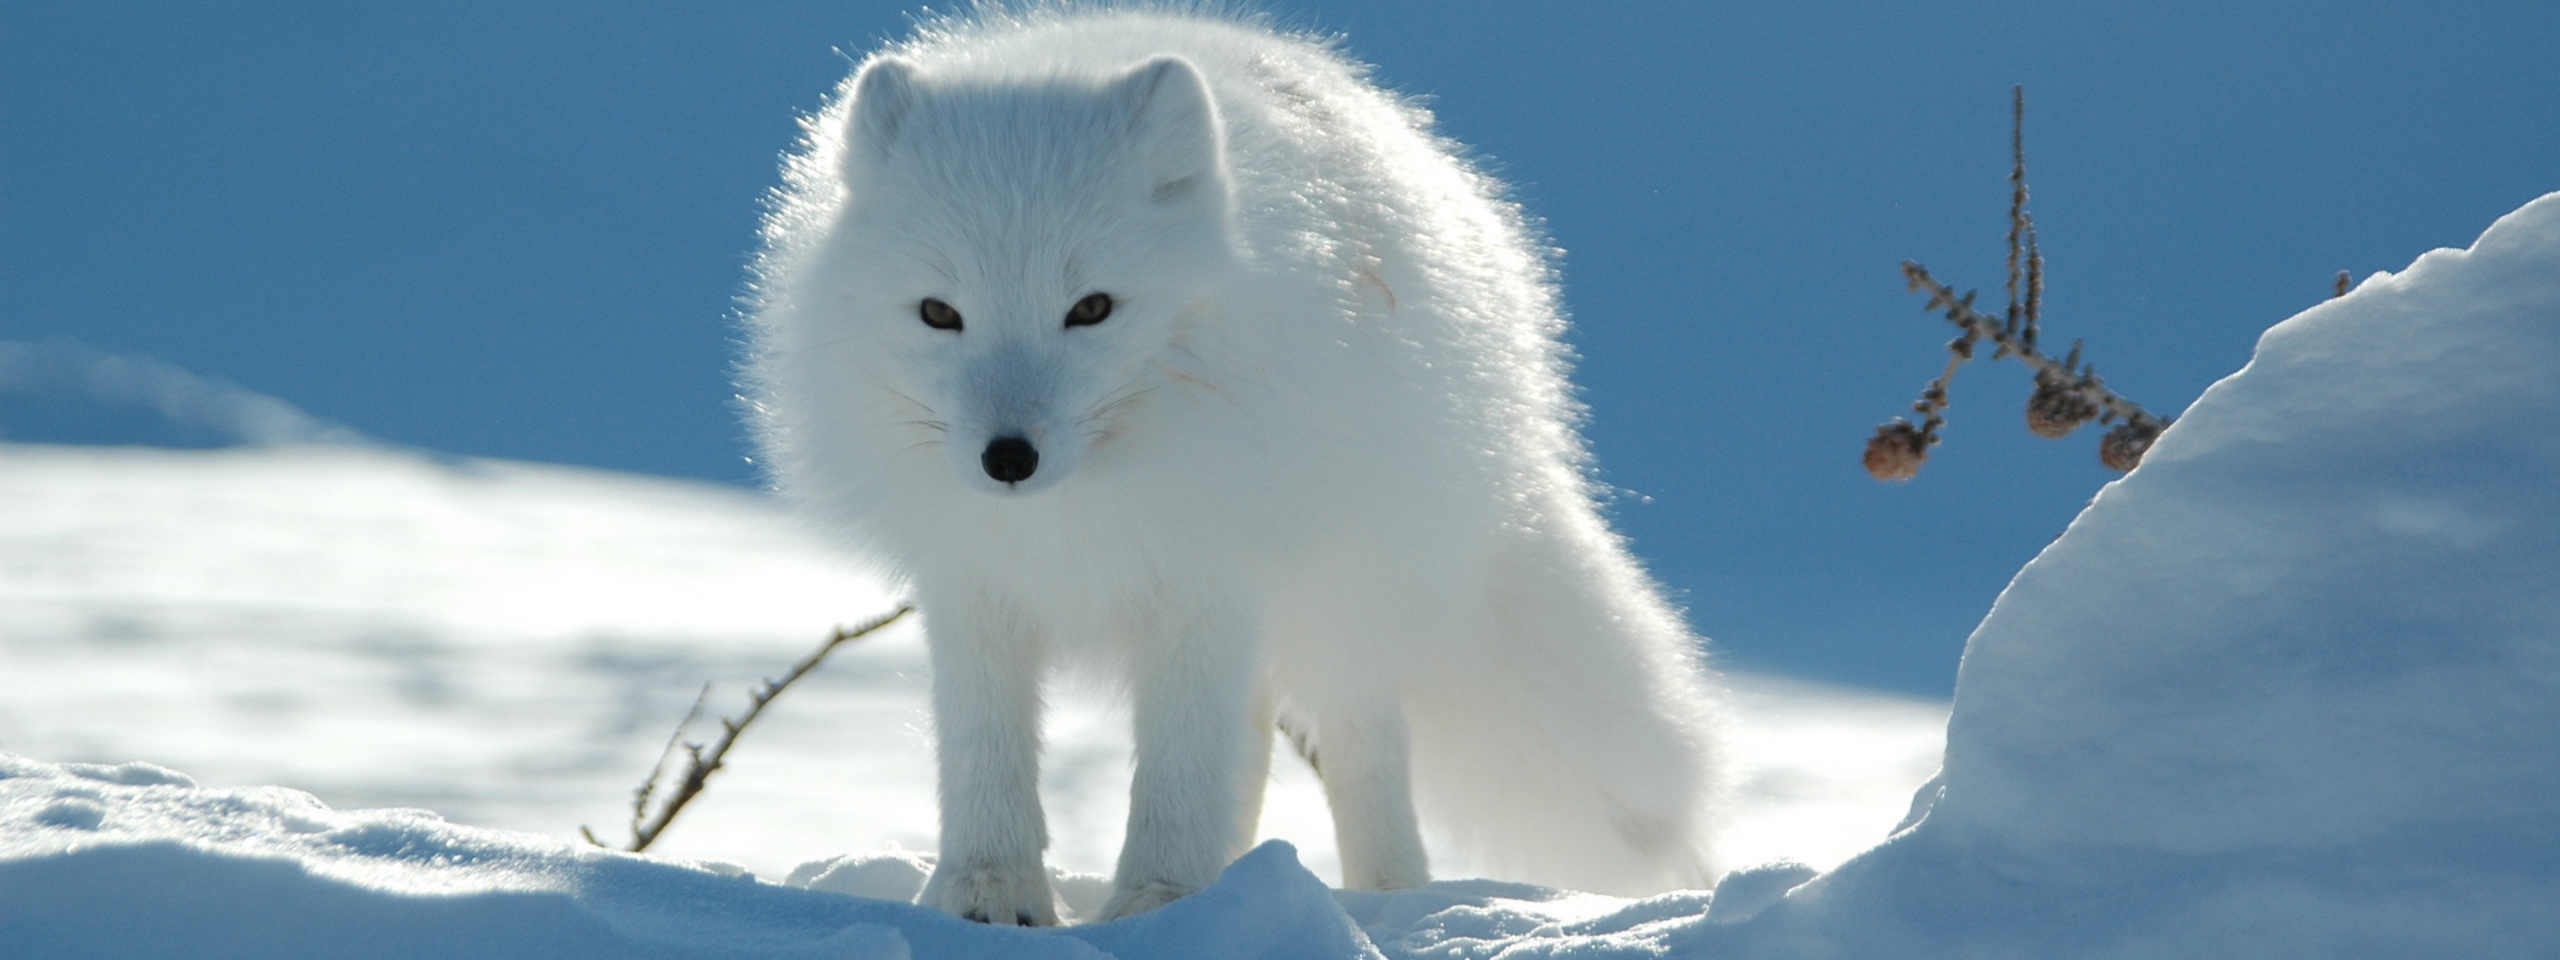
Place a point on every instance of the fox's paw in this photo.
(1131, 901)
(1010, 896)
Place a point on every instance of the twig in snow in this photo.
(701, 763)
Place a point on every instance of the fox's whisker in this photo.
(1125, 397)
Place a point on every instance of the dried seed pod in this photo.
(2056, 409)
(2123, 447)
(1896, 451)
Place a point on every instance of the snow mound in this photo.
(138, 861)
(2293, 686)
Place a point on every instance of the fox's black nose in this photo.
(1010, 459)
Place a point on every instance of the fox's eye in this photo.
(938, 314)
(1090, 310)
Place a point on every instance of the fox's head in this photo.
(1022, 252)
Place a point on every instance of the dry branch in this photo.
(701, 763)
(2068, 392)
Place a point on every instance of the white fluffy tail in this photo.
(1581, 748)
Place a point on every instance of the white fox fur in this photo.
(1318, 464)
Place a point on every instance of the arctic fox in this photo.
(1166, 344)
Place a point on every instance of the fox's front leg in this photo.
(986, 717)
(1196, 718)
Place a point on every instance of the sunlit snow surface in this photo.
(510, 645)
(2291, 689)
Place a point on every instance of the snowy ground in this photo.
(509, 645)
(2290, 689)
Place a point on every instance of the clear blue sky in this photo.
(516, 230)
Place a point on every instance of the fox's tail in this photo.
(1582, 748)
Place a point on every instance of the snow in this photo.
(509, 644)
(154, 866)
(2291, 688)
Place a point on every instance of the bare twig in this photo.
(701, 763)
(2081, 377)
(2022, 225)
(658, 771)
(2035, 281)
(2068, 393)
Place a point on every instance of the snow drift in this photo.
(2292, 688)
(136, 861)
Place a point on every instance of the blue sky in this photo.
(517, 230)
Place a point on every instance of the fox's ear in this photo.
(882, 95)
(1173, 125)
